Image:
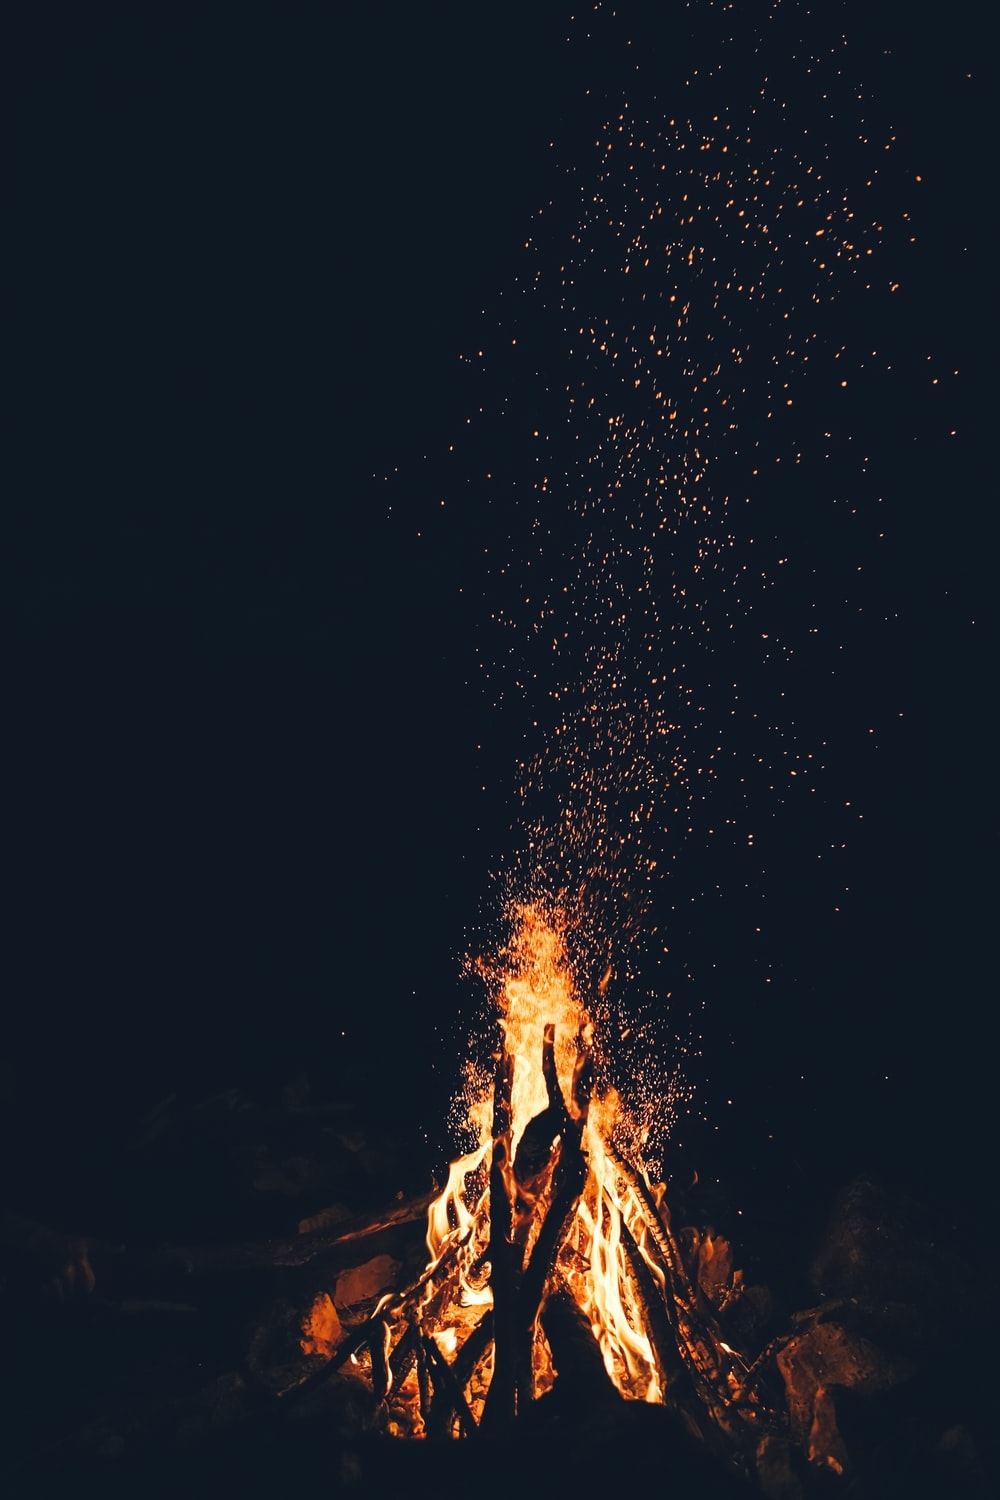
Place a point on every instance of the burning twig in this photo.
(424, 1390)
(669, 1251)
(403, 1357)
(654, 1308)
(445, 1378)
(283, 1254)
(501, 1401)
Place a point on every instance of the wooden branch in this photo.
(571, 1172)
(403, 1356)
(444, 1376)
(378, 1347)
(654, 1307)
(355, 1340)
(423, 1383)
(568, 1178)
(501, 1398)
(433, 1272)
(268, 1255)
(697, 1339)
(664, 1241)
(473, 1349)
(364, 1333)
(465, 1362)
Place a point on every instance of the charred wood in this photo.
(571, 1174)
(472, 1351)
(666, 1245)
(504, 1260)
(284, 1254)
(443, 1377)
(403, 1357)
(654, 1309)
(534, 1151)
(442, 1412)
(424, 1388)
(579, 1364)
(379, 1345)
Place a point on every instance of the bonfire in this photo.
(550, 1253)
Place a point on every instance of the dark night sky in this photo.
(245, 811)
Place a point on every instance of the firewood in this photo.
(698, 1340)
(463, 1368)
(360, 1284)
(535, 1156)
(685, 1394)
(379, 1349)
(571, 1173)
(423, 1382)
(352, 1344)
(372, 1332)
(266, 1255)
(576, 1355)
(504, 1261)
(654, 1308)
(403, 1356)
(443, 1375)
(433, 1272)
(664, 1241)
(473, 1349)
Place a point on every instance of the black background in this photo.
(252, 804)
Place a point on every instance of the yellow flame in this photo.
(538, 990)
(535, 987)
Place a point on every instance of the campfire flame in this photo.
(542, 1014)
(545, 1226)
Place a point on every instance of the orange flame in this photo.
(536, 988)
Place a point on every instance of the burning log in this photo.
(266, 1255)
(444, 1378)
(813, 1363)
(569, 1176)
(576, 1355)
(541, 1135)
(473, 1351)
(698, 1339)
(424, 1390)
(501, 1401)
(654, 1307)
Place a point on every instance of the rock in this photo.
(336, 1213)
(814, 1362)
(717, 1279)
(777, 1478)
(322, 1330)
(365, 1282)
